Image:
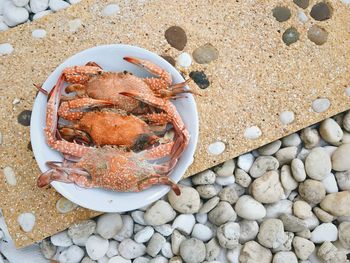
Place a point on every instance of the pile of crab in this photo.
(111, 127)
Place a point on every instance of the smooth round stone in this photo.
(176, 37)
(323, 215)
(56, 5)
(176, 240)
(337, 204)
(80, 232)
(298, 170)
(277, 209)
(301, 3)
(192, 250)
(24, 117)
(209, 205)
(286, 155)
(248, 230)
(317, 34)
(187, 203)
(302, 209)
(222, 213)
(166, 251)
(302, 17)
(108, 225)
(202, 232)
(216, 148)
(184, 223)
(254, 252)
(14, 15)
(205, 54)
(39, 33)
(248, 208)
(144, 235)
(38, 5)
(330, 184)
(281, 13)
(312, 191)
(226, 169)
(252, 133)
(320, 11)
(73, 254)
(155, 244)
(213, 250)
(225, 180)
(242, 178)
(10, 176)
(161, 212)
(47, 248)
(111, 10)
(321, 105)
(291, 140)
(310, 137)
(232, 255)
(42, 14)
(343, 180)
(340, 158)
(245, 161)
(138, 217)
(304, 234)
(271, 148)
(205, 177)
(207, 191)
(200, 78)
(165, 230)
(303, 248)
(262, 165)
(344, 234)
(311, 222)
(129, 249)
(290, 36)
(141, 260)
(285, 257)
(287, 180)
(202, 218)
(228, 194)
(184, 60)
(271, 233)
(292, 223)
(119, 259)
(267, 188)
(318, 164)
(112, 249)
(61, 239)
(324, 232)
(96, 247)
(20, 3)
(127, 230)
(228, 235)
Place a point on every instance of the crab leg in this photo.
(80, 74)
(156, 179)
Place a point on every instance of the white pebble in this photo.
(184, 223)
(144, 235)
(20, 3)
(110, 10)
(72, 2)
(202, 232)
(96, 247)
(41, 14)
(10, 176)
(104, 259)
(165, 230)
(129, 249)
(16, 101)
(330, 184)
(138, 217)
(216, 148)
(6, 49)
(324, 232)
(127, 229)
(248, 208)
(108, 225)
(302, 17)
(26, 221)
(39, 5)
(228, 180)
(3, 26)
(184, 60)
(166, 250)
(74, 25)
(245, 161)
(61, 239)
(73, 254)
(287, 117)
(112, 248)
(252, 133)
(14, 15)
(321, 105)
(226, 169)
(202, 218)
(56, 5)
(39, 33)
(119, 259)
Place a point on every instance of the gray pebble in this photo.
(222, 213)
(263, 164)
(193, 250)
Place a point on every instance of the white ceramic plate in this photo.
(110, 58)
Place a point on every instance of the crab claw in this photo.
(150, 67)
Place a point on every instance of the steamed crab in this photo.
(109, 167)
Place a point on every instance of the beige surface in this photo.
(254, 79)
